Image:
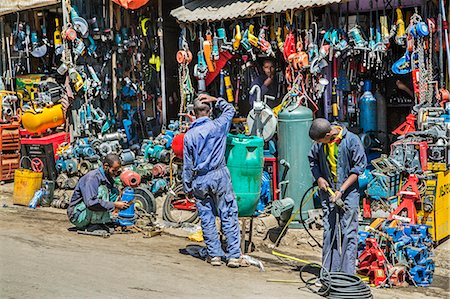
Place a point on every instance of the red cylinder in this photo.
(130, 178)
(177, 145)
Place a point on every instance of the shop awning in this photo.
(216, 10)
(10, 6)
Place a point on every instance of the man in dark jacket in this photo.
(268, 84)
(336, 159)
(95, 196)
(207, 178)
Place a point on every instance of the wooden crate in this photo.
(9, 138)
(8, 164)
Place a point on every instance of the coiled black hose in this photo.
(334, 285)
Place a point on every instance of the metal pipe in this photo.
(441, 53)
(113, 62)
(10, 69)
(2, 35)
(163, 67)
(444, 20)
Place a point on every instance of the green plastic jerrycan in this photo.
(245, 160)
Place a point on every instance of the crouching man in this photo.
(95, 197)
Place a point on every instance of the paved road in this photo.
(41, 259)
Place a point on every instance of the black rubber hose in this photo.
(301, 217)
(335, 285)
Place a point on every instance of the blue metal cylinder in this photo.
(368, 110)
(126, 217)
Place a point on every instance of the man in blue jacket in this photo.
(95, 197)
(206, 177)
(336, 159)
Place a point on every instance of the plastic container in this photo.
(245, 160)
(36, 199)
(26, 183)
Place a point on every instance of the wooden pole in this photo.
(163, 67)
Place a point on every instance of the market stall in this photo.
(80, 80)
(380, 68)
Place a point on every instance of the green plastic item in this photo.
(245, 160)
(294, 146)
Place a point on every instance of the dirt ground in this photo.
(40, 258)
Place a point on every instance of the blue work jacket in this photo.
(351, 159)
(87, 191)
(205, 144)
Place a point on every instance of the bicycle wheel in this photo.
(178, 208)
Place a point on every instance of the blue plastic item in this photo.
(36, 198)
(264, 198)
(126, 217)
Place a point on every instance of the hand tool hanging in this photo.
(201, 68)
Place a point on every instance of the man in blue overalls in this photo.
(95, 197)
(336, 159)
(206, 177)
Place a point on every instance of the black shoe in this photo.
(109, 227)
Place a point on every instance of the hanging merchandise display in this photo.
(81, 80)
(368, 65)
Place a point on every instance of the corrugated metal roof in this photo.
(10, 6)
(216, 10)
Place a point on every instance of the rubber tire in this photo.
(147, 200)
(166, 208)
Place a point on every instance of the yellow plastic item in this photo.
(277, 109)
(197, 237)
(26, 183)
(438, 192)
(335, 109)
(36, 122)
(400, 24)
(57, 40)
(252, 39)
(229, 88)
(237, 38)
(384, 27)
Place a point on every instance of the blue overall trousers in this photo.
(340, 236)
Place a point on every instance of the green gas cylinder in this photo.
(294, 145)
(245, 160)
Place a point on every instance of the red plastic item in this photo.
(130, 178)
(37, 165)
(367, 213)
(406, 127)
(131, 4)
(54, 139)
(372, 262)
(273, 160)
(177, 145)
(289, 45)
(223, 59)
